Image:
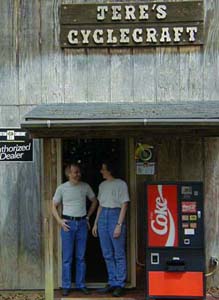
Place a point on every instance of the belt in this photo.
(73, 218)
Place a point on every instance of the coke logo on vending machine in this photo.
(162, 215)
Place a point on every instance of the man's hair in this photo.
(68, 167)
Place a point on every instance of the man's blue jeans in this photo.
(113, 249)
(74, 239)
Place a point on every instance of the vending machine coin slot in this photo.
(155, 258)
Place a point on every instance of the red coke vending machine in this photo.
(175, 254)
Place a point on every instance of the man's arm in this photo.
(61, 222)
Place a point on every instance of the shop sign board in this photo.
(15, 145)
(131, 24)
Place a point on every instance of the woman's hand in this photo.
(117, 231)
(94, 230)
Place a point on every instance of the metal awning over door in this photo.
(190, 118)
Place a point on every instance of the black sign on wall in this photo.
(15, 145)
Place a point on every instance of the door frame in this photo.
(131, 232)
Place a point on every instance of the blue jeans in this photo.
(113, 249)
(74, 239)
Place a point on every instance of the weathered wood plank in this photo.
(121, 71)
(9, 210)
(98, 75)
(131, 251)
(211, 50)
(168, 153)
(9, 116)
(211, 184)
(9, 226)
(8, 61)
(49, 185)
(192, 159)
(121, 75)
(144, 73)
(52, 56)
(29, 52)
(76, 87)
(30, 223)
(75, 70)
(167, 62)
(140, 181)
(191, 74)
(168, 81)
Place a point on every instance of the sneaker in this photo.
(119, 291)
(65, 292)
(84, 290)
(107, 289)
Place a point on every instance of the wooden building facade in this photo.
(166, 81)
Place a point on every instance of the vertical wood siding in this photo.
(34, 70)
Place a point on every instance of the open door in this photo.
(90, 153)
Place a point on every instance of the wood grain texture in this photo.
(167, 77)
(51, 55)
(144, 72)
(9, 226)
(29, 52)
(168, 70)
(49, 186)
(98, 75)
(9, 210)
(211, 51)
(8, 59)
(211, 188)
(192, 159)
(75, 80)
(121, 75)
(76, 71)
(191, 74)
(30, 223)
(168, 153)
(9, 116)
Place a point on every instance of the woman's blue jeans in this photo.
(74, 239)
(113, 249)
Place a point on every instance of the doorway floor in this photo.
(131, 294)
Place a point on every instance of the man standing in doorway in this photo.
(74, 224)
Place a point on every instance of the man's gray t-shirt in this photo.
(113, 193)
(73, 198)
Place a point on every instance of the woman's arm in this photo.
(121, 218)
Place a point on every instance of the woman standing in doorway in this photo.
(110, 225)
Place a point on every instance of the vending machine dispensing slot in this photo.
(175, 265)
(175, 256)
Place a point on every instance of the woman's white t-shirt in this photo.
(113, 193)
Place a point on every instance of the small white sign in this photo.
(145, 168)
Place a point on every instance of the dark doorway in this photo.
(90, 153)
